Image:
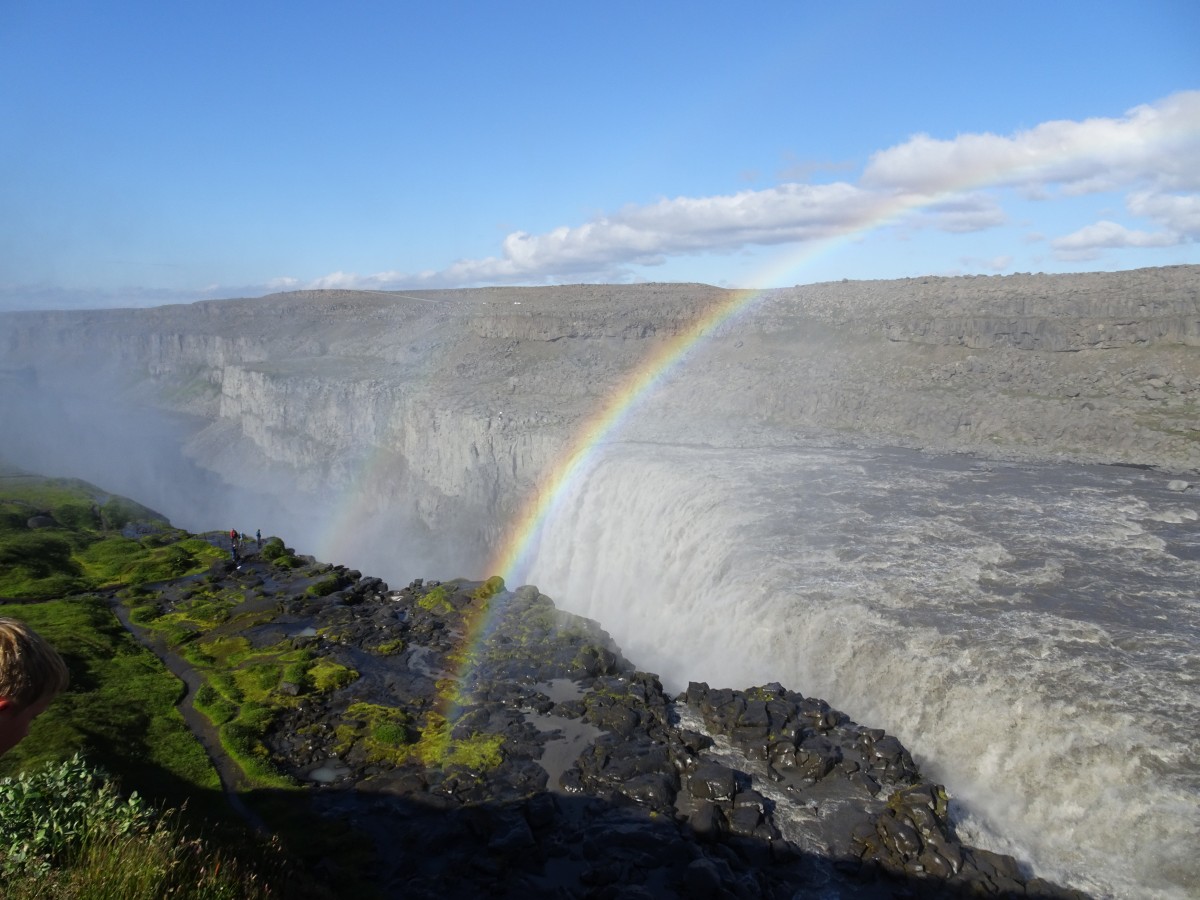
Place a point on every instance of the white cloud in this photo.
(1177, 213)
(1152, 152)
(1155, 143)
(964, 213)
(1105, 235)
(645, 235)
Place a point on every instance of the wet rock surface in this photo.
(483, 743)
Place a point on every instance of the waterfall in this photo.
(968, 610)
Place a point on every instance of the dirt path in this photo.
(233, 780)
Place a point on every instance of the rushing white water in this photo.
(1032, 633)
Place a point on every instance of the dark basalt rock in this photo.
(535, 761)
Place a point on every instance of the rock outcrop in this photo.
(487, 744)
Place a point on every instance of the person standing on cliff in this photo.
(258, 537)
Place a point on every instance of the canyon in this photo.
(959, 508)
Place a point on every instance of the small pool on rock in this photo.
(328, 772)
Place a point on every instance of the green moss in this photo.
(327, 675)
(325, 586)
(225, 685)
(435, 600)
(242, 741)
(761, 693)
(489, 588)
(479, 752)
(144, 614)
(199, 613)
(383, 733)
(213, 705)
(259, 680)
(389, 648)
(227, 650)
(296, 669)
(280, 555)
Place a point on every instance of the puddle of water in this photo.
(560, 753)
(328, 772)
(560, 690)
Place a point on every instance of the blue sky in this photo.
(167, 151)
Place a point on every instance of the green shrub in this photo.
(273, 549)
(66, 831)
(325, 586)
(78, 516)
(48, 812)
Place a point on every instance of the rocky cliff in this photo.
(450, 405)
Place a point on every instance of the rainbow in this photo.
(511, 558)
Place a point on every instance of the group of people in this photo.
(236, 540)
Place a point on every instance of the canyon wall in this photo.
(448, 406)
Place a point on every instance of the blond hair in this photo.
(30, 669)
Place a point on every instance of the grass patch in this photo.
(69, 832)
(242, 696)
(119, 710)
(80, 548)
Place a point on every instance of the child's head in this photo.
(31, 675)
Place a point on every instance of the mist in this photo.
(73, 424)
